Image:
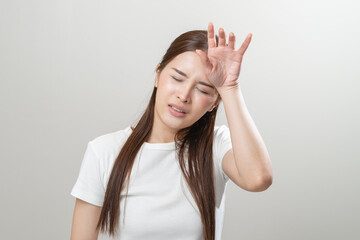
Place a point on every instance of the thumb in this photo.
(204, 59)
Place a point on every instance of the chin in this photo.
(176, 123)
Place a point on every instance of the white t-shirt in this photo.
(159, 203)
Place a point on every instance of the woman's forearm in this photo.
(250, 153)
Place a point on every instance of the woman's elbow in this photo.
(262, 183)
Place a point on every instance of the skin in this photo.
(187, 92)
(84, 222)
(222, 64)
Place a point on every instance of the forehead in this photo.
(187, 59)
(189, 63)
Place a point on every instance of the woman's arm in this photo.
(85, 219)
(250, 155)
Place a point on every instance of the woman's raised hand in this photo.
(223, 63)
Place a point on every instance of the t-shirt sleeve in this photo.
(89, 186)
(222, 144)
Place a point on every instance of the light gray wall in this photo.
(74, 70)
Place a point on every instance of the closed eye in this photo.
(176, 79)
(202, 91)
(179, 80)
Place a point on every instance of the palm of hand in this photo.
(223, 63)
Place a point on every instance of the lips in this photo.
(178, 107)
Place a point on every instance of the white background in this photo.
(73, 70)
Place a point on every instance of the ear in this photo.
(216, 104)
(212, 108)
(157, 75)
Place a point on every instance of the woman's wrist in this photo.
(228, 90)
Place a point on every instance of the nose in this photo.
(184, 94)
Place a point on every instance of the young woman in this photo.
(166, 178)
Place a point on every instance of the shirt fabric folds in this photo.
(159, 204)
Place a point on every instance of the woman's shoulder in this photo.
(110, 142)
(220, 129)
(222, 138)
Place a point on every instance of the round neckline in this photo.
(161, 146)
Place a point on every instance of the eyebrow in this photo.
(183, 74)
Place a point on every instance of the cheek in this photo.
(167, 85)
(205, 102)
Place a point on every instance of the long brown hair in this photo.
(193, 146)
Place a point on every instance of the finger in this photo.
(245, 44)
(232, 40)
(204, 59)
(211, 36)
(222, 37)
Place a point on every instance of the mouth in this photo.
(176, 111)
(177, 108)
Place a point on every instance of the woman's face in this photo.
(182, 85)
